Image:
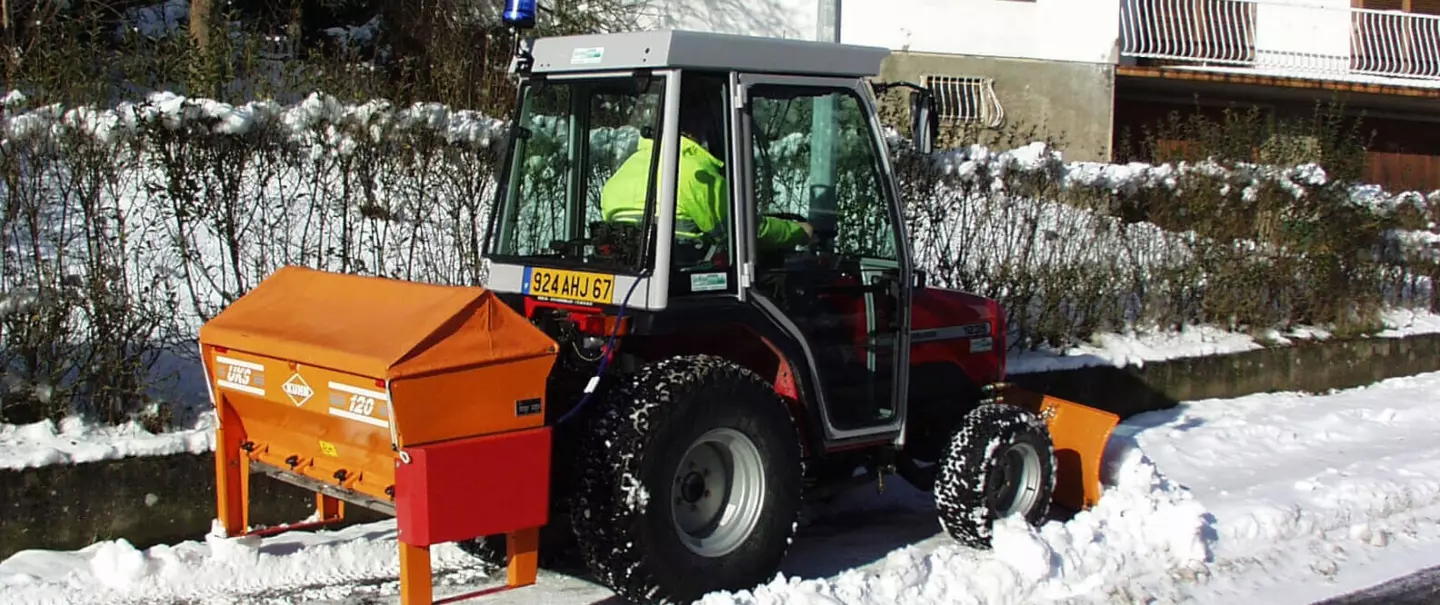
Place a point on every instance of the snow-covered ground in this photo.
(1276, 498)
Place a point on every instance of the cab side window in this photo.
(815, 161)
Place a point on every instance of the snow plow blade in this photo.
(420, 401)
(1080, 434)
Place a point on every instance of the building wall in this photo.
(1315, 35)
(1070, 101)
(1057, 30)
(790, 19)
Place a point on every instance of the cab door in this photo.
(809, 149)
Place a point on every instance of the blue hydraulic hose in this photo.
(605, 356)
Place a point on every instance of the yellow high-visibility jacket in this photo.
(702, 198)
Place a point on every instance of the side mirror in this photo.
(923, 122)
(920, 281)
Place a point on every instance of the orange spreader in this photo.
(423, 401)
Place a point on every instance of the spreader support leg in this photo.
(524, 551)
(415, 583)
(232, 472)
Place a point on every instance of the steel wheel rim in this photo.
(1015, 480)
(717, 492)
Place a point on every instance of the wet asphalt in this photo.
(1419, 588)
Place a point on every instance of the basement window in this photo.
(965, 99)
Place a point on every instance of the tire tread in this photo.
(960, 497)
(610, 502)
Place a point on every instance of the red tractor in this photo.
(710, 380)
(736, 325)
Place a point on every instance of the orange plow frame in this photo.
(422, 402)
(1079, 434)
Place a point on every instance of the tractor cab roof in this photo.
(704, 51)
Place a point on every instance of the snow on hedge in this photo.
(186, 203)
(327, 134)
(319, 122)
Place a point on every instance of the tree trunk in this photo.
(200, 23)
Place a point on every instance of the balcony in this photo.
(1323, 39)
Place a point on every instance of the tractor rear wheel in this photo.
(1000, 463)
(689, 483)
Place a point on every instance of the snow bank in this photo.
(1264, 498)
(1139, 347)
(1409, 322)
(1143, 521)
(1134, 349)
(116, 572)
(1303, 487)
(74, 440)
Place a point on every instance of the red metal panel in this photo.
(937, 308)
(478, 486)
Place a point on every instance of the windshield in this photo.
(574, 136)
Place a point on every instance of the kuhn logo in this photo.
(298, 390)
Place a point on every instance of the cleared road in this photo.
(1419, 588)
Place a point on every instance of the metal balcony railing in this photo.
(1210, 31)
(1395, 44)
(1283, 38)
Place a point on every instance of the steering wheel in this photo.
(789, 216)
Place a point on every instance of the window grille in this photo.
(966, 99)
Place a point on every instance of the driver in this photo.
(702, 195)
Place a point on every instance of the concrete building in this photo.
(1087, 70)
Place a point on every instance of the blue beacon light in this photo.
(519, 14)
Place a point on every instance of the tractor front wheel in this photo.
(1000, 463)
(690, 482)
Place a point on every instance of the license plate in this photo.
(572, 286)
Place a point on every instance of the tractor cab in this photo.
(680, 176)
